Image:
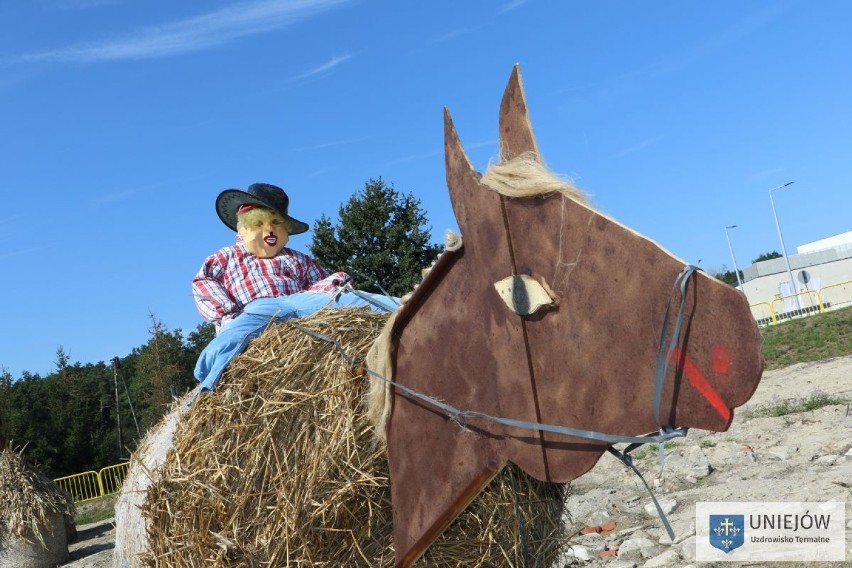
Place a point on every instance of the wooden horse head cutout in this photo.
(470, 336)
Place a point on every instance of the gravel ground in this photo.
(804, 456)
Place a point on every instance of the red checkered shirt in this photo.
(232, 277)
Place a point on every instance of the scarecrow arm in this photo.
(212, 299)
(330, 283)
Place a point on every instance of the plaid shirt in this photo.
(232, 277)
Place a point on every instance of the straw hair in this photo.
(279, 466)
(33, 511)
(379, 395)
(525, 176)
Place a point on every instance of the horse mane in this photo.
(526, 176)
(378, 397)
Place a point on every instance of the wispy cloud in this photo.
(199, 33)
(331, 144)
(318, 173)
(413, 157)
(455, 33)
(638, 147)
(483, 144)
(433, 153)
(707, 47)
(124, 194)
(766, 174)
(452, 34)
(115, 197)
(30, 251)
(81, 4)
(508, 7)
(331, 64)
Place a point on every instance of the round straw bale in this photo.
(280, 466)
(32, 516)
(145, 466)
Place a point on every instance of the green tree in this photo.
(159, 368)
(382, 239)
(767, 256)
(198, 340)
(729, 277)
(68, 420)
(89, 441)
(5, 403)
(31, 422)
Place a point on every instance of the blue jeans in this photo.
(235, 334)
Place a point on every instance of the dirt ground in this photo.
(94, 545)
(803, 456)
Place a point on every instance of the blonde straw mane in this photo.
(526, 176)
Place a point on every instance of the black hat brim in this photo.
(230, 200)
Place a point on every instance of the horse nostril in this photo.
(721, 360)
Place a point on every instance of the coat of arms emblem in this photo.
(727, 532)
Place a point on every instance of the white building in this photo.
(837, 241)
(822, 271)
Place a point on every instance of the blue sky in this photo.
(121, 121)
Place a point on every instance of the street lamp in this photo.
(781, 237)
(730, 248)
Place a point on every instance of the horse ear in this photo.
(457, 162)
(516, 134)
(477, 207)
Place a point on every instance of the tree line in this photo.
(730, 277)
(85, 416)
(78, 418)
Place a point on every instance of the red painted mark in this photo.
(721, 360)
(699, 381)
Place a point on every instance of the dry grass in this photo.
(30, 501)
(279, 467)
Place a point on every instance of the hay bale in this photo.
(32, 516)
(145, 468)
(280, 466)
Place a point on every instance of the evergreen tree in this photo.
(68, 420)
(5, 403)
(159, 367)
(31, 422)
(198, 340)
(381, 240)
(729, 276)
(767, 256)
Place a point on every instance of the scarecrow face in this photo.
(263, 231)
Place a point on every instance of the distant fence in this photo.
(806, 303)
(94, 484)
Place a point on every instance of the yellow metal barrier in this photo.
(112, 477)
(763, 313)
(827, 297)
(91, 485)
(81, 486)
(836, 295)
(805, 302)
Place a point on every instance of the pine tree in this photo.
(729, 276)
(381, 240)
(767, 256)
(159, 367)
